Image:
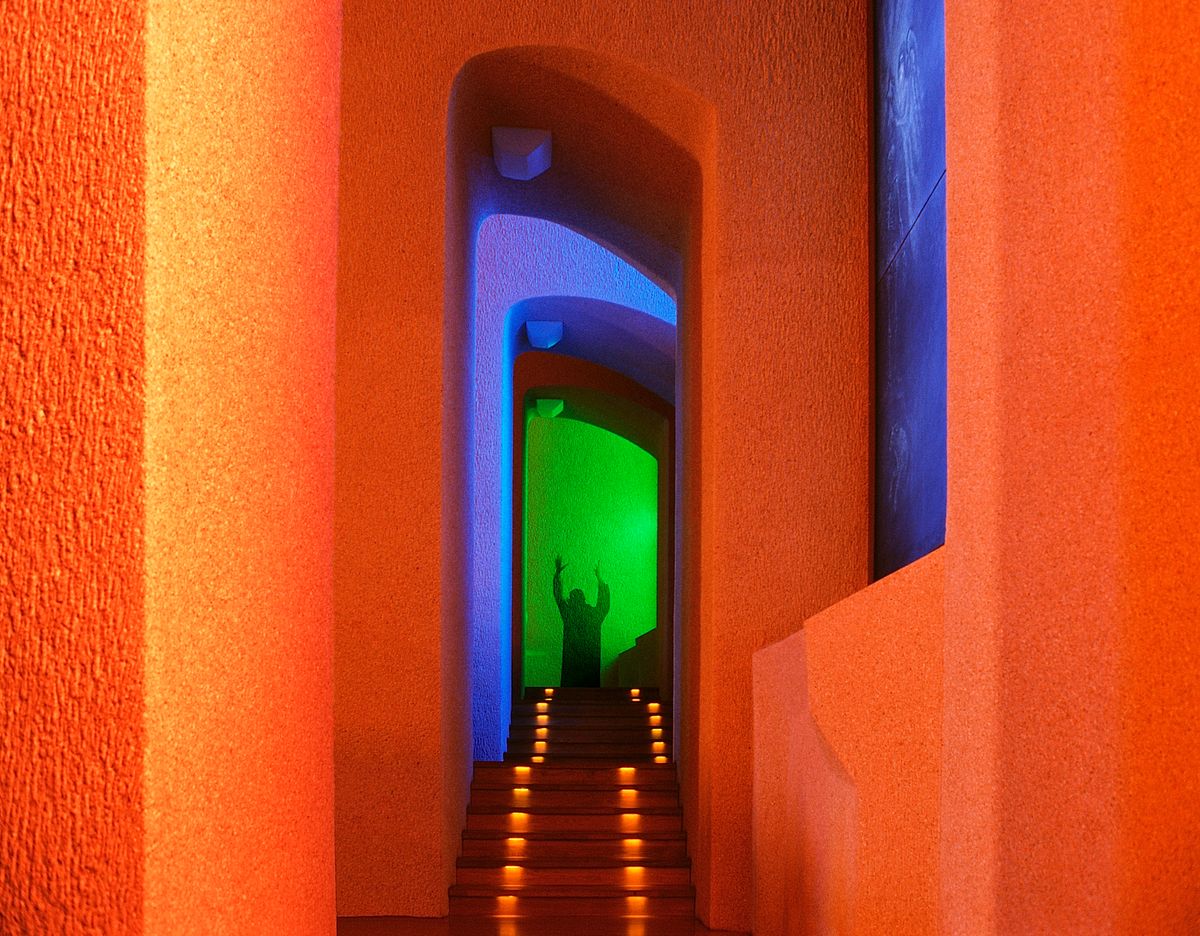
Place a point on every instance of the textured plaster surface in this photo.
(777, 242)
(241, 188)
(71, 512)
(847, 740)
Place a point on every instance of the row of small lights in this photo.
(542, 730)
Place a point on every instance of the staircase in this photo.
(582, 817)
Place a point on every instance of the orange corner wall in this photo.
(847, 764)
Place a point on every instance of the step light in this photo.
(634, 874)
(538, 759)
(543, 706)
(630, 821)
(549, 692)
(542, 732)
(543, 719)
(656, 732)
(521, 769)
(656, 719)
(660, 759)
(539, 747)
(659, 746)
(635, 692)
(653, 707)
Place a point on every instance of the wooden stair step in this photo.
(591, 692)
(549, 798)
(536, 808)
(541, 860)
(588, 835)
(521, 877)
(644, 775)
(639, 734)
(647, 851)
(611, 906)
(574, 890)
(631, 823)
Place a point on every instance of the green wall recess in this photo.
(591, 496)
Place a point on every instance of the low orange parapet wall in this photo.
(847, 745)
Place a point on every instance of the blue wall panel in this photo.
(910, 339)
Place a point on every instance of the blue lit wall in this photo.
(527, 268)
(910, 339)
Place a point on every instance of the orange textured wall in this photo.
(847, 742)
(71, 514)
(786, 241)
(241, 206)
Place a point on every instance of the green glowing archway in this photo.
(593, 497)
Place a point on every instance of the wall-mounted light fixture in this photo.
(520, 153)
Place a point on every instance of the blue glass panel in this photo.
(910, 89)
(910, 347)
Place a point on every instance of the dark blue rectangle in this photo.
(910, 443)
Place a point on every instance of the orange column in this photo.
(71, 511)
(1070, 675)
(241, 149)
(1158, 797)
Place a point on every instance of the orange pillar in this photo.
(1072, 232)
(241, 205)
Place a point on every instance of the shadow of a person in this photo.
(581, 629)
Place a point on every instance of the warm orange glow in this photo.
(627, 772)
(515, 845)
(637, 903)
(629, 793)
(549, 692)
(630, 820)
(656, 732)
(656, 719)
(543, 706)
(538, 760)
(539, 746)
(543, 732)
(520, 791)
(661, 759)
(635, 928)
(513, 872)
(508, 928)
(653, 707)
(518, 820)
(659, 746)
(543, 719)
(632, 844)
(634, 874)
(521, 769)
(635, 692)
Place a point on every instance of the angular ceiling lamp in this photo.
(548, 409)
(520, 153)
(544, 335)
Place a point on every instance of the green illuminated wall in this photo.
(592, 496)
